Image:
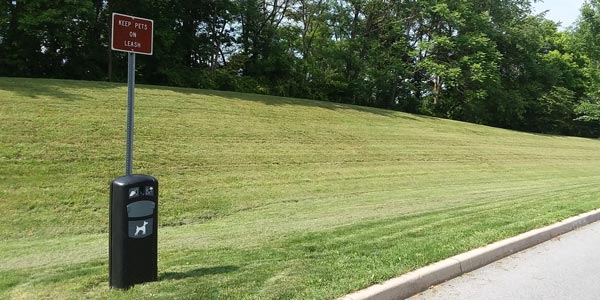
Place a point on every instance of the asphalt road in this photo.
(565, 268)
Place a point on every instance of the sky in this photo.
(564, 11)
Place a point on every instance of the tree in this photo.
(51, 39)
(484, 61)
(586, 37)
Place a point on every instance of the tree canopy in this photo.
(483, 61)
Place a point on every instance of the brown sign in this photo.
(132, 34)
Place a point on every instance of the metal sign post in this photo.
(130, 96)
(132, 35)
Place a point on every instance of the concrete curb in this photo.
(420, 280)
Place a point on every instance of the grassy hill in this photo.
(263, 197)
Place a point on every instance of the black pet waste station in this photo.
(133, 231)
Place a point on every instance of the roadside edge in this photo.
(417, 281)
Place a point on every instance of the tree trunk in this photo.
(109, 54)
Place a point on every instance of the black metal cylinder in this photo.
(133, 243)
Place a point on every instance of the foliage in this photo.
(488, 62)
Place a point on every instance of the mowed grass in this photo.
(263, 197)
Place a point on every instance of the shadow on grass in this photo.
(55, 88)
(58, 88)
(283, 101)
(197, 272)
(334, 106)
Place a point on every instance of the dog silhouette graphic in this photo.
(141, 229)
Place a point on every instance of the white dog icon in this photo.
(141, 229)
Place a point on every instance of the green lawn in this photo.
(263, 197)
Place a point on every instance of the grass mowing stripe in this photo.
(263, 197)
